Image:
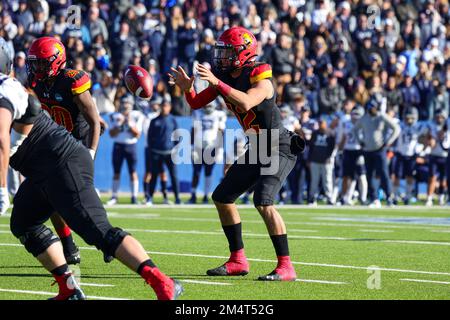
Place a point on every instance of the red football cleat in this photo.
(237, 265)
(280, 274)
(68, 288)
(168, 290)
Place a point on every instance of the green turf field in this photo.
(332, 249)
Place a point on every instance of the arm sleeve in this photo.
(197, 101)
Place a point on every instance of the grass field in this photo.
(332, 249)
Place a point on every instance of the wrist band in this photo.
(223, 88)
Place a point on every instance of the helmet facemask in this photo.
(38, 68)
(225, 58)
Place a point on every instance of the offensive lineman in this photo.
(249, 94)
(64, 94)
(59, 176)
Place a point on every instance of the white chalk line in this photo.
(45, 293)
(425, 281)
(320, 281)
(376, 231)
(313, 264)
(215, 233)
(205, 282)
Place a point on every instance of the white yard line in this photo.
(205, 282)
(215, 233)
(425, 281)
(194, 255)
(320, 281)
(376, 231)
(302, 230)
(45, 293)
(441, 231)
(100, 285)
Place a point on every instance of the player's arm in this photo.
(5, 125)
(88, 108)
(134, 130)
(260, 90)
(195, 100)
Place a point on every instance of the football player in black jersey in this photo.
(249, 93)
(64, 94)
(59, 177)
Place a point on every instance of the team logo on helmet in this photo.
(247, 39)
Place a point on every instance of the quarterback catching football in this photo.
(248, 91)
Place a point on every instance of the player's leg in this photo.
(239, 178)
(265, 191)
(173, 177)
(147, 175)
(131, 158)
(443, 180)
(370, 168)
(71, 251)
(73, 194)
(157, 169)
(382, 170)
(118, 158)
(163, 182)
(208, 181)
(362, 178)
(314, 184)
(197, 168)
(431, 181)
(408, 172)
(31, 209)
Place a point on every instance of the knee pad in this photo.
(112, 240)
(37, 241)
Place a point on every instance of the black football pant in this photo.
(70, 192)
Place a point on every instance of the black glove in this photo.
(298, 144)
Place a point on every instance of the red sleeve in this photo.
(197, 101)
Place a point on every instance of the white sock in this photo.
(115, 188)
(208, 182)
(350, 191)
(134, 188)
(363, 186)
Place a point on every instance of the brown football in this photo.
(138, 81)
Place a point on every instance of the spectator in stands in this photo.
(331, 97)
(105, 93)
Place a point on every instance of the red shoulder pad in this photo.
(260, 72)
(80, 80)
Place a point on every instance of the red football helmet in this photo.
(46, 57)
(235, 48)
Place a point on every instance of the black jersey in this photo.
(57, 100)
(266, 115)
(47, 146)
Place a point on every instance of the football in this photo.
(138, 81)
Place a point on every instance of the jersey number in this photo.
(60, 115)
(246, 121)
